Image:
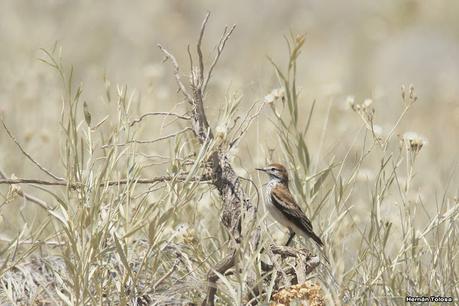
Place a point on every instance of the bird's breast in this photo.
(272, 209)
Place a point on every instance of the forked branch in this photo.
(222, 173)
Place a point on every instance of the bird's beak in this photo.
(261, 169)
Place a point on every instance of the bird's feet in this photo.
(292, 234)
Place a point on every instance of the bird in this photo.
(283, 207)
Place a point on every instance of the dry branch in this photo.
(135, 121)
(221, 45)
(224, 265)
(176, 73)
(222, 174)
(304, 263)
(29, 156)
(149, 141)
(107, 183)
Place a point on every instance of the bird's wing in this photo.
(284, 201)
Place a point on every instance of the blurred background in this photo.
(354, 50)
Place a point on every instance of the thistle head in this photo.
(276, 171)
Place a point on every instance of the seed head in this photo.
(414, 142)
(275, 95)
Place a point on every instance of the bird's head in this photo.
(275, 171)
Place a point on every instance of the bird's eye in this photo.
(273, 169)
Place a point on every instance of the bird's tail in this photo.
(316, 239)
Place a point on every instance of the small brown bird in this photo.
(282, 206)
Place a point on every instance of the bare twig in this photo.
(286, 251)
(199, 49)
(247, 120)
(221, 45)
(176, 73)
(31, 181)
(149, 141)
(158, 114)
(212, 277)
(190, 59)
(107, 183)
(28, 155)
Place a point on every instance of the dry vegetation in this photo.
(149, 197)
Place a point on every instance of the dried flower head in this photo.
(413, 141)
(408, 97)
(15, 189)
(308, 292)
(221, 131)
(367, 103)
(367, 113)
(189, 237)
(275, 95)
(350, 101)
(363, 108)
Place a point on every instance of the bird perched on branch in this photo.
(283, 207)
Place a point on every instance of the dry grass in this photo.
(121, 209)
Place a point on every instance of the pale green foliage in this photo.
(396, 255)
(129, 243)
